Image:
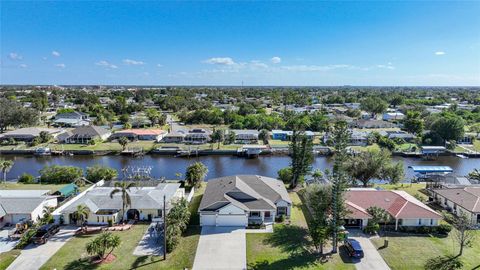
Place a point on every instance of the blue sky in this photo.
(225, 43)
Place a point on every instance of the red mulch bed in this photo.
(110, 258)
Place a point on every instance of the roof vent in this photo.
(387, 199)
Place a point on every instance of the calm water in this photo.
(166, 166)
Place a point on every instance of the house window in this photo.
(159, 213)
(478, 219)
(419, 221)
(98, 219)
(431, 222)
(282, 210)
(267, 214)
(254, 214)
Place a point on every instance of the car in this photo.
(353, 248)
(45, 232)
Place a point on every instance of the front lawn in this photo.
(6, 258)
(411, 252)
(289, 246)
(51, 187)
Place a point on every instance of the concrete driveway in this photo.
(372, 260)
(5, 243)
(34, 256)
(221, 248)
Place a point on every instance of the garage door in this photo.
(16, 218)
(232, 220)
(207, 220)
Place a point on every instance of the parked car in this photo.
(353, 248)
(44, 233)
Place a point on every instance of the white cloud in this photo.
(133, 62)
(60, 65)
(258, 64)
(23, 65)
(220, 61)
(106, 64)
(387, 66)
(276, 60)
(15, 56)
(159, 65)
(440, 53)
(55, 53)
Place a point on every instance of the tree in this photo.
(81, 214)
(12, 113)
(448, 262)
(464, 233)
(123, 188)
(475, 128)
(230, 139)
(263, 135)
(397, 100)
(373, 105)
(448, 127)
(98, 172)
(56, 174)
(123, 141)
(195, 174)
(155, 116)
(319, 201)
(100, 245)
(217, 137)
(379, 215)
(301, 149)
(5, 167)
(475, 174)
(45, 137)
(371, 164)
(413, 123)
(285, 174)
(177, 220)
(341, 137)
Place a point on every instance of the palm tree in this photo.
(81, 214)
(102, 243)
(263, 135)
(123, 188)
(5, 166)
(195, 174)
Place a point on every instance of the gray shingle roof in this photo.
(466, 197)
(20, 205)
(248, 192)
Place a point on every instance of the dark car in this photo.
(45, 232)
(353, 248)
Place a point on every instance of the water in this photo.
(167, 166)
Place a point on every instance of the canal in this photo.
(167, 166)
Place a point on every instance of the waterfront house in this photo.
(286, 135)
(28, 134)
(404, 209)
(71, 119)
(407, 137)
(393, 116)
(370, 123)
(240, 200)
(84, 135)
(197, 136)
(460, 201)
(23, 205)
(146, 203)
(245, 136)
(140, 134)
(357, 138)
(174, 137)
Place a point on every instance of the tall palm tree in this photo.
(123, 188)
(6, 166)
(81, 214)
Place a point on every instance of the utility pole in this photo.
(164, 229)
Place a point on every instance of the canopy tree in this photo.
(319, 203)
(99, 172)
(12, 113)
(450, 127)
(373, 105)
(301, 149)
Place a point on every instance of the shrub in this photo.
(285, 175)
(60, 174)
(280, 218)
(372, 228)
(98, 172)
(26, 178)
(26, 237)
(444, 229)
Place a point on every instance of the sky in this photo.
(380, 43)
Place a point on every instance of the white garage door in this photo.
(16, 218)
(232, 220)
(207, 220)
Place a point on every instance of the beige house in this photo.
(460, 201)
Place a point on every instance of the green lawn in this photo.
(195, 203)
(411, 252)
(411, 189)
(365, 148)
(289, 246)
(406, 147)
(7, 258)
(51, 187)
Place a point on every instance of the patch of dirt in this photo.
(110, 258)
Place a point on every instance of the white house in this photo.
(240, 200)
(393, 116)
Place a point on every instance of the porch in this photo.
(261, 217)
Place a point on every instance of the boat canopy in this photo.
(431, 169)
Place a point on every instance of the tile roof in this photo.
(466, 197)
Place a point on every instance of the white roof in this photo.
(15, 193)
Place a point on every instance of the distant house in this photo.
(245, 136)
(84, 135)
(71, 119)
(460, 201)
(141, 134)
(174, 137)
(146, 204)
(23, 205)
(468, 138)
(286, 135)
(197, 136)
(393, 116)
(240, 200)
(357, 138)
(404, 209)
(28, 134)
(370, 124)
(408, 137)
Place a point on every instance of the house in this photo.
(71, 119)
(404, 209)
(240, 200)
(460, 201)
(84, 135)
(408, 137)
(468, 138)
(28, 134)
(432, 150)
(140, 134)
(371, 123)
(393, 116)
(146, 203)
(22, 205)
(286, 135)
(245, 136)
(67, 191)
(357, 138)
(174, 137)
(197, 136)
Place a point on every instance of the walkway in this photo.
(151, 243)
(372, 259)
(221, 248)
(34, 256)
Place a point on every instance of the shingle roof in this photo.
(466, 197)
(399, 204)
(89, 131)
(248, 192)
(20, 205)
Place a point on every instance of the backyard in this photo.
(51, 187)
(289, 246)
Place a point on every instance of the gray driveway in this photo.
(372, 260)
(221, 248)
(5, 243)
(34, 256)
(151, 243)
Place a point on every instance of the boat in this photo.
(461, 156)
(43, 151)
